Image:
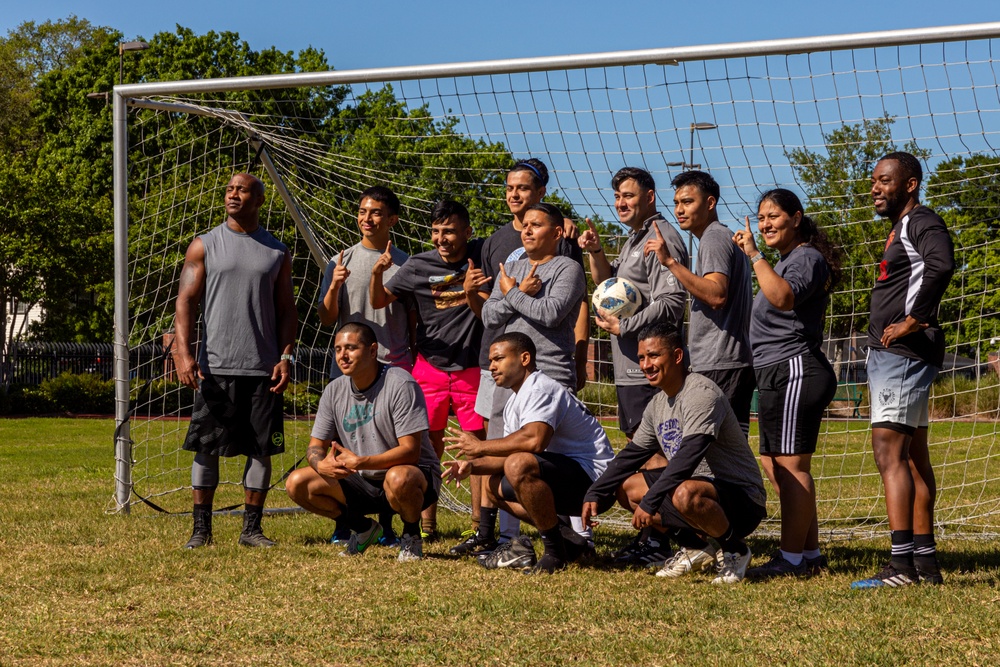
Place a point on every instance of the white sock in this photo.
(794, 559)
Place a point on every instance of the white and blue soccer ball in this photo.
(618, 297)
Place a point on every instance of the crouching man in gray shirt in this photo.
(711, 488)
(369, 451)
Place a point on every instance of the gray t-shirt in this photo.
(548, 317)
(719, 339)
(663, 297)
(778, 335)
(576, 433)
(370, 422)
(700, 408)
(391, 324)
(239, 320)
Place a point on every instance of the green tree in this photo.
(838, 185)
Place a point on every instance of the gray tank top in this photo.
(239, 328)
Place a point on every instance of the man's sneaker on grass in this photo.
(624, 555)
(547, 564)
(653, 554)
(198, 539)
(389, 538)
(473, 545)
(518, 553)
(256, 538)
(361, 541)
(686, 561)
(341, 534)
(732, 566)
(890, 576)
(778, 566)
(816, 566)
(928, 571)
(411, 548)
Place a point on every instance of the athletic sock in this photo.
(730, 543)
(429, 526)
(385, 519)
(687, 538)
(902, 549)
(811, 554)
(552, 541)
(924, 546)
(792, 558)
(487, 523)
(411, 528)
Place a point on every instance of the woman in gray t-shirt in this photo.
(794, 379)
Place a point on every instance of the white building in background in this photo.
(19, 318)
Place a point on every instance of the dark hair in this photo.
(699, 179)
(642, 177)
(665, 331)
(383, 195)
(909, 164)
(551, 211)
(520, 342)
(446, 208)
(539, 172)
(366, 335)
(809, 232)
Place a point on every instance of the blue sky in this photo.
(389, 33)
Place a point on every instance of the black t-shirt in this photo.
(913, 275)
(503, 246)
(449, 334)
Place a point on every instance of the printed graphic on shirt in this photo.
(670, 437)
(358, 416)
(447, 290)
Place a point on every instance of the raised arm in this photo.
(189, 295)
(774, 288)
(590, 243)
(378, 295)
(712, 289)
(329, 305)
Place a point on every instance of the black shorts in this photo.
(236, 416)
(567, 479)
(793, 395)
(743, 513)
(366, 496)
(632, 402)
(738, 385)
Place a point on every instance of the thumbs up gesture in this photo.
(745, 240)
(658, 245)
(590, 240)
(384, 260)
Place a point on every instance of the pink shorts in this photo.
(443, 390)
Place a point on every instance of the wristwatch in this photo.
(290, 358)
(756, 258)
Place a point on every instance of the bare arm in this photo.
(189, 294)
(288, 323)
(378, 295)
(590, 242)
(533, 437)
(774, 288)
(407, 452)
(712, 289)
(329, 307)
(582, 332)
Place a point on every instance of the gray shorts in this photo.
(900, 389)
(484, 397)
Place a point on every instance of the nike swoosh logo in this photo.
(507, 563)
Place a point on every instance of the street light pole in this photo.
(122, 48)
(695, 127)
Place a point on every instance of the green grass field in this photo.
(82, 587)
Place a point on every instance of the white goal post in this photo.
(809, 114)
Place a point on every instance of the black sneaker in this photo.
(201, 536)
(928, 571)
(473, 545)
(624, 555)
(817, 566)
(778, 566)
(198, 539)
(889, 576)
(518, 553)
(256, 539)
(547, 564)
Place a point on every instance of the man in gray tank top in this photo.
(241, 278)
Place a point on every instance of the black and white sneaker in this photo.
(890, 576)
(547, 564)
(473, 545)
(927, 570)
(518, 553)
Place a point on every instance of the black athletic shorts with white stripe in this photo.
(793, 396)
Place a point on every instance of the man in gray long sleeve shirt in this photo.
(540, 295)
(663, 297)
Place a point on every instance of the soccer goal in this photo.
(810, 114)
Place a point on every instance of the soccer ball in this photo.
(616, 296)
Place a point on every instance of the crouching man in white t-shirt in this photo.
(552, 450)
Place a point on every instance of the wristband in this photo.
(290, 358)
(756, 258)
(595, 252)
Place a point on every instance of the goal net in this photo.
(813, 115)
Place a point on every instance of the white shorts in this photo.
(900, 389)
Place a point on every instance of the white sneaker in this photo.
(411, 548)
(732, 567)
(686, 561)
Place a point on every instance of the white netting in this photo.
(813, 122)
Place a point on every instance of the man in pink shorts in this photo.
(449, 334)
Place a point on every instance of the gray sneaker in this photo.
(686, 561)
(518, 553)
(411, 548)
(732, 567)
(361, 541)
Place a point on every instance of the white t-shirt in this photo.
(576, 432)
